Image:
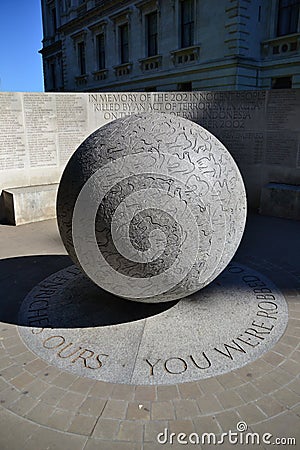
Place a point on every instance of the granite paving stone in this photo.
(250, 413)
(167, 392)
(60, 419)
(266, 384)
(25, 358)
(181, 426)
(130, 431)
(82, 385)
(281, 426)
(40, 413)
(293, 341)
(106, 429)
(269, 406)
(296, 410)
(206, 424)
(123, 392)
(11, 371)
(230, 380)
(291, 367)
(138, 411)
(17, 350)
(152, 428)
(63, 380)
(82, 424)
(37, 387)
(101, 389)
(92, 406)
(8, 396)
(46, 438)
(208, 404)
(3, 384)
(11, 341)
(22, 380)
(286, 397)
(95, 444)
(15, 431)
(5, 361)
(186, 408)
(71, 400)
(115, 409)
(283, 349)
(162, 411)
(35, 366)
(273, 358)
(145, 393)
(295, 356)
(210, 386)
(248, 392)
(295, 386)
(22, 405)
(189, 390)
(173, 446)
(229, 399)
(49, 373)
(52, 395)
(228, 420)
(280, 376)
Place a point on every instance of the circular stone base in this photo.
(74, 325)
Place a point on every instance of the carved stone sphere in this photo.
(151, 207)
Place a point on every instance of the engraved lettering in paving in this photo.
(235, 320)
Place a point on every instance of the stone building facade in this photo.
(162, 45)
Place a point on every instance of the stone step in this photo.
(280, 200)
(28, 204)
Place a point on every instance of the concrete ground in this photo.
(43, 407)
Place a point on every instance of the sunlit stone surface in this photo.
(151, 207)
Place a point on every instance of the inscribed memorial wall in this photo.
(40, 131)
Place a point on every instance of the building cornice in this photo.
(52, 48)
(102, 11)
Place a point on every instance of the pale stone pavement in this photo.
(46, 408)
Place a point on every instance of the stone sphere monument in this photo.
(151, 207)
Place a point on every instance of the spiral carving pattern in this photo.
(151, 207)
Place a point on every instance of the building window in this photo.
(151, 28)
(100, 49)
(53, 21)
(187, 23)
(81, 58)
(124, 44)
(53, 76)
(288, 16)
(282, 83)
(184, 87)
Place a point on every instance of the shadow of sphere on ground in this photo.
(84, 305)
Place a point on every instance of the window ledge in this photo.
(122, 70)
(281, 45)
(186, 55)
(81, 80)
(100, 74)
(150, 63)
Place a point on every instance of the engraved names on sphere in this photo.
(151, 207)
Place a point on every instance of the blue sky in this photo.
(20, 40)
